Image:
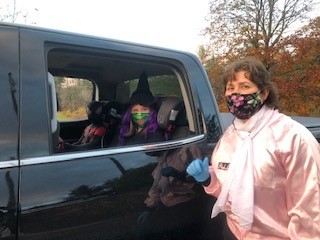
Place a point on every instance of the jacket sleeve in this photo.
(214, 188)
(301, 161)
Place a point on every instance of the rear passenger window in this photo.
(72, 95)
(101, 83)
(160, 86)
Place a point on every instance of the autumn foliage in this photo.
(294, 63)
(297, 74)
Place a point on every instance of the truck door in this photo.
(100, 193)
(9, 109)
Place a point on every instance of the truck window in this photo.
(160, 86)
(83, 75)
(73, 94)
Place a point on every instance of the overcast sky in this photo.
(168, 23)
(174, 24)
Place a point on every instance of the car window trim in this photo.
(9, 164)
(110, 151)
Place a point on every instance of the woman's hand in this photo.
(199, 169)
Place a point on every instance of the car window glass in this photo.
(73, 94)
(85, 75)
(160, 86)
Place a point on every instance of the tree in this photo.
(73, 93)
(10, 12)
(260, 28)
(252, 27)
(214, 67)
(298, 71)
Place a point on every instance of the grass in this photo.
(68, 115)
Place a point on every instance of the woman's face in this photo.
(241, 84)
(140, 115)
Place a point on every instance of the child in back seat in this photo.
(139, 123)
(92, 134)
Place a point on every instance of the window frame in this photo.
(177, 68)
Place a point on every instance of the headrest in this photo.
(94, 107)
(113, 110)
(94, 111)
(168, 112)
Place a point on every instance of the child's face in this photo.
(140, 115)
(137, 108)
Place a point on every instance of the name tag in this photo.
(223, 165)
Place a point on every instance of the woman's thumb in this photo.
(206, 162)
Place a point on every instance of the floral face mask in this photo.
(243, 106)
(140, 119)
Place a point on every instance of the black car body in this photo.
(93, 194)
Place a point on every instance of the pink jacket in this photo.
(286, 181)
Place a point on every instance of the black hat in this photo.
(142, 95)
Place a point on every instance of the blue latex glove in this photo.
(199, 169)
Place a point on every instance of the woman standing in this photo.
(265, 169)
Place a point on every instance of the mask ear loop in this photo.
(259, 92)
(262, 102)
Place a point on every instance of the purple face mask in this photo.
(243, 106)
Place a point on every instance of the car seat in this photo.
(111, 117)
(96, 126)
(172, 118)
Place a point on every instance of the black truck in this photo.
(97, 193)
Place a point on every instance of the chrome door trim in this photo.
(116, 150)
(9, 164)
